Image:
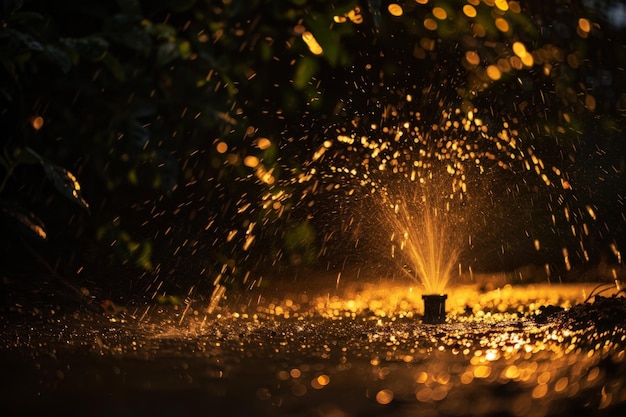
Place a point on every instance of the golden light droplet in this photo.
(395, 9)
(494, 72)
(502, 5)
(74, 181)
(421, 377)
(323, 380)
(528, 60)
(590, 102)
(511, 372)
(251, 161)
(472, 57)
(591, 212)
(440, 13)
(37, 122)
(540, 391)
(491, 354)
(221, 147)
(561, 384)
(430, 24)
(584, 25)
(355, 15)
(467, 378)
(345, 139)
(519, 49)
(482, 371)
(515, 7)
(593, 374)
(502, 24)
(384, 396)
(421, 1)
(547, 69)
(263, 143)
(469, 10)
(248, 242)
(312, 43)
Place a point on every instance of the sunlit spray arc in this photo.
(428, 181)
(423, 168)
(424, 237)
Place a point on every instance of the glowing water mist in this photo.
(425, 239)
(426, 234)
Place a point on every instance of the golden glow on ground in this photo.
(349, 343)
(370, 335)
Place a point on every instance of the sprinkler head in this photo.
(434, 308)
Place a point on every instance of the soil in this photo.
(552, 350)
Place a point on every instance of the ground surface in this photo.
(356, 350)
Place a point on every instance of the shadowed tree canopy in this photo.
(151, 142)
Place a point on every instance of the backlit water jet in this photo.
(426, 237)
(428, 166)
(428, 243)
(423, 184)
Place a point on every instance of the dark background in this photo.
(111, 113)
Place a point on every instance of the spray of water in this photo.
(425, 236)
(432, 142)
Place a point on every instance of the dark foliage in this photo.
(126, 124)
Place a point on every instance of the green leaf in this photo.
(164, 31)
(139, 133)
(12, 6)
(115, 67)
(167, 52)
(168, 173)
(181, 5)
(26, 18)
(130, 6)
(143, 256)
(128, 30)
(23, 221)
(65, 182)
(92, 48)
(169, 299)
(62, 179)
(307, 68)
(61, 58)
(6, 159)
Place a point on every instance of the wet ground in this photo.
(358, 350)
